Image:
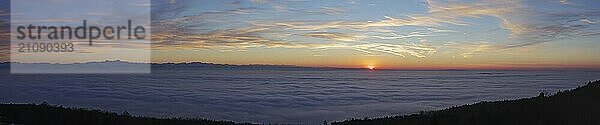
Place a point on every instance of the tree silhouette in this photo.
(579, 106)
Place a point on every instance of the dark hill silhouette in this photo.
(44, 114)
(580, 106)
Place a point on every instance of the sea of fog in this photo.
(272, 95)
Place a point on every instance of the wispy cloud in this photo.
(396, 36)
(253, 37)
(452, 10)
(564, 1)
(424, 21)
(334, 36)
(525, 23)
(470, 49)
(420, 51)
(225, 39)
(554, 26)
(260, 1)
(327, 11)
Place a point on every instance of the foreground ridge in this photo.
(579, 106)
(44, 114)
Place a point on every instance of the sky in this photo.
(394, 34)
(73, 13)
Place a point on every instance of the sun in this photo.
(371, 67)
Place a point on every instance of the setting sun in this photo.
(371, 67)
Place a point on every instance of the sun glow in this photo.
(371, 67)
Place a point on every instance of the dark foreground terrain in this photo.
(580, 106)
(44, 114)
